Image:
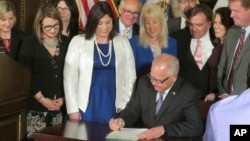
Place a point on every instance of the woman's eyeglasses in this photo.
(49, 27)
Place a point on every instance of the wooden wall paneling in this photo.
(26, 11)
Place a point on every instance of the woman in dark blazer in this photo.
(11, 38)
(44, 54)
(222, 22)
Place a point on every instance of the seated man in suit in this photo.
(179, 114)
(129, 11)
(176, 24)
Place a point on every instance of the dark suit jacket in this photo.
(240, 71)
(174, 24)
(179, 114)
(248, 76)
(135, 28)
(188, 67)
(15, 42)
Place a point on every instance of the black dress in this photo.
(213, 62)
(47, 77)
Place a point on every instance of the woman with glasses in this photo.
(70, 17)
(10, 37)
(99, 71)
(152, 40)
(44, 53)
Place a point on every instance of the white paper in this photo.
(126, 134)
(75, 130)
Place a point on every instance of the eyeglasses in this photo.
(49, 27)
(161, 4)
(62, 9)
(128, 12)
(186, 1)
(157, 80)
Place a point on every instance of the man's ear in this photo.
(120, 9)
(175, 76)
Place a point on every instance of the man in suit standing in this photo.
(232, 69)
(129, 12)
(179, 114)
(176, 24)
(236, 107)
(195, 47)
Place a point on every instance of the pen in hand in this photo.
(115, 124)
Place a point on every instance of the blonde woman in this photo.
(10, 37)
(152, 40)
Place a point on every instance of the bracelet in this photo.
(40, 99)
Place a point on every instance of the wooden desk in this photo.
(14, 90)
(73, 131)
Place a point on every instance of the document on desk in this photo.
(129, 134)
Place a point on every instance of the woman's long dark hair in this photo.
(99, 10)
(73, 27)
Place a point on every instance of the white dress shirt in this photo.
(122, 29)
(183, 22)
(206, 44)
(232, 110)
(220, 3)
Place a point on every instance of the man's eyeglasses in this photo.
(161, 4)
(62, 9)
(157, 80)
(128, 12)
(49, 27)
(186, 1)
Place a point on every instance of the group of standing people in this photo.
(233, 76)
(43, 53)
(120, 69)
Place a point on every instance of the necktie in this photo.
(198, 55)
(125, 32)
(6, 44)
(234, 61)
(159, 103)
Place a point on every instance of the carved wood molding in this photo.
(22, 14)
